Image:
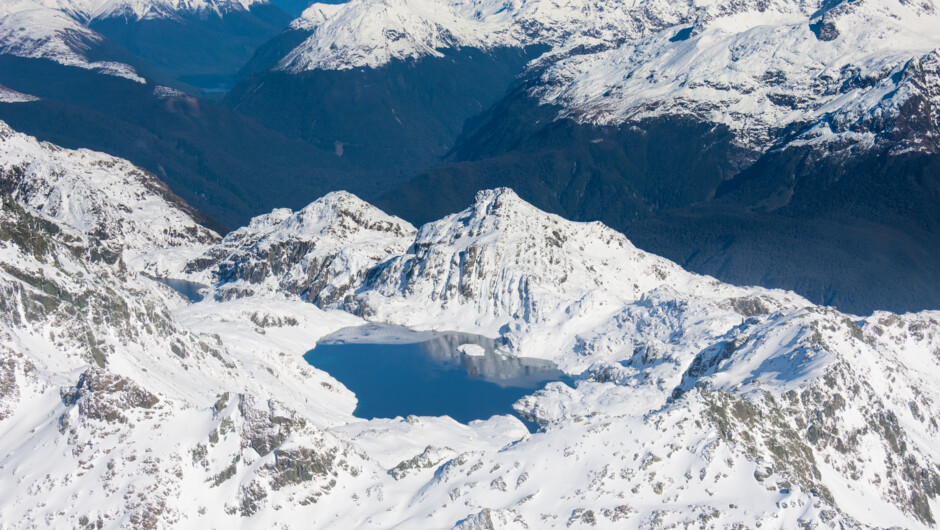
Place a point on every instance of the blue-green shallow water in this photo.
(397, 372)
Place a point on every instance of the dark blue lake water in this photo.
(396, 372)
(191, 290)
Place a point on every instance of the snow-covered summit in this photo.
(499, 261)
(320, 252)
(503, 258)
(370, 33)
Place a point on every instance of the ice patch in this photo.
(471, 350)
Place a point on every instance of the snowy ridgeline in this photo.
(696, 403)
(758, 67)
(58, 30)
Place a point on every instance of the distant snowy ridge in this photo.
(57, 29)
(88, 10)
(369, 33)
(760, 68)
(33, 31)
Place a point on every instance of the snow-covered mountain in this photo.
(694, 119)
(695, 402)
(88, 10)
(73, 32)
(320, 253)
(30, 29)
(370, 33)
(122, 206)
(96, 370)
(653, 346)
(758, 67)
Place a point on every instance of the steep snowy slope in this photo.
(104, 197)
(503, 260)
(29, 29)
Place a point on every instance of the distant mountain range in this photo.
(197, 43)
(782, 143)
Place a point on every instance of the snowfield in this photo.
(696, 403)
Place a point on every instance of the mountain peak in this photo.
(320, 252)
(498, 201)
(371, 33)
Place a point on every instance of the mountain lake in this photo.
(395, 371)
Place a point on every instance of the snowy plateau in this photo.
(695, 404)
